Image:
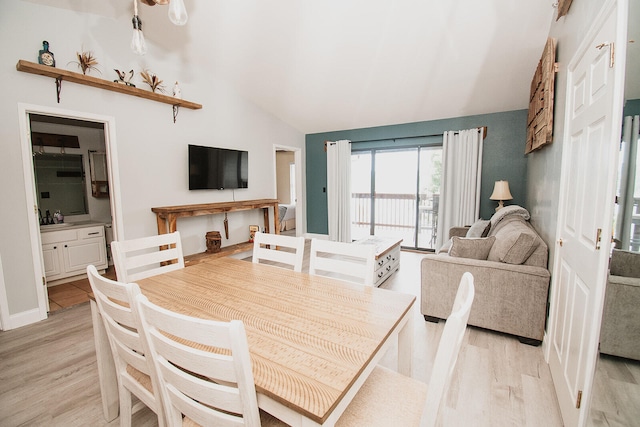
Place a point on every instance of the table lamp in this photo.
(501, 192)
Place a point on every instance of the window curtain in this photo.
(339, 190)
(627, 179)
(460, 184)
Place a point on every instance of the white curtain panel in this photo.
(339, 190)
(460, 184)
(629, 153)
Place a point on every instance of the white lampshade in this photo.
(501, 192)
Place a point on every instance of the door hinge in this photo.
(612, 52)
(44, 281)
(598, 238)
(579, 401)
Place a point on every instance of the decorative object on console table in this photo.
(501, 192)
(45, 56)
(253, 229)
(214, 242)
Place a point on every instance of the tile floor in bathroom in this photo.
(73, 293)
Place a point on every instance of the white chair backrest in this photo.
(209, 380)
(137, 259)
(115, 301)
(448, 350)
(347, 261)
(292, 254)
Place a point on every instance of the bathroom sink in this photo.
(55, 226)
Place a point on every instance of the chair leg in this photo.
(125, 407)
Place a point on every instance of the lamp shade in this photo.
(501, 191)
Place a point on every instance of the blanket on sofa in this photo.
(508, 211)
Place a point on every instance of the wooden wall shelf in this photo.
(59, 75)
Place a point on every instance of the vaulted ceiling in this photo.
(342, 64)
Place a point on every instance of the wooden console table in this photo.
(167, 216)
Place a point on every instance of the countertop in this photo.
(69, 226)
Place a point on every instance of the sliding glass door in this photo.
(395, 194)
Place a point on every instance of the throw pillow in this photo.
(514, 244)
(445, 248)
(480, 228)
(469, 247)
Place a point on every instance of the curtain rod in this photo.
(482, 129)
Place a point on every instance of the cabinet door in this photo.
(79, 254)
(51, 258)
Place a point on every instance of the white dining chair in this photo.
(144, 257)
(346, 261)
(279, 250)
(133, 369)
(209, 380)
(388, 398)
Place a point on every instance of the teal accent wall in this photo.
(502, 158)
(631, 107)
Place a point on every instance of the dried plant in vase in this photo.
(87, 62)
(152, 80)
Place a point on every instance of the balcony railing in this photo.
(395, 216)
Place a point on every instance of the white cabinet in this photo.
(68, 252)
(51, 258)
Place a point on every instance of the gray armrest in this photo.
(458, 231)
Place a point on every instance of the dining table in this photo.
(313, 340)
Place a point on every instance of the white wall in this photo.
(152, 150)
(543, 167)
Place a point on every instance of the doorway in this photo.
(288, 189)
(55, 114)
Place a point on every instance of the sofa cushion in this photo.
(445, 247)
(480, 228)
(515, 242)
(471, 247)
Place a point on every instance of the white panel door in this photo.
(586, 205)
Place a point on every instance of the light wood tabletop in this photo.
(313, 340)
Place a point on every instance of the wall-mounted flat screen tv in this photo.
(217, 168)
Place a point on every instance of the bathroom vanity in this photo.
(68, 248)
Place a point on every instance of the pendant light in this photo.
(178, 12)
(138, 45)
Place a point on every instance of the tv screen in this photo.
(217, 168)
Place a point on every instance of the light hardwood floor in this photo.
(48, 373)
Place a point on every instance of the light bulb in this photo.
(138, 45)
(177, 12)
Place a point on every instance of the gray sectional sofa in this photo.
(508, 260)
(620, 330)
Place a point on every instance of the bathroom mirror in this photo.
(60, 184)
(99, 179)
